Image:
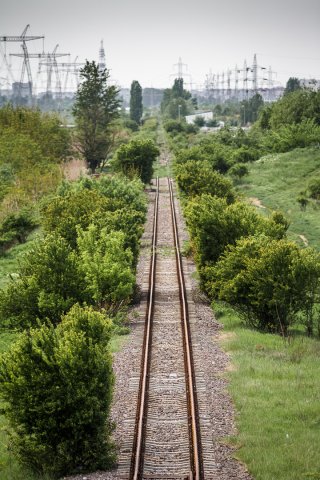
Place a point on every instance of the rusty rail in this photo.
(194, 426)
(196, 470)
(137, 451)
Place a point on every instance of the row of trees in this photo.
(56, 381)
(33, 147)
(244, 258)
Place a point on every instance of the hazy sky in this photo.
(144, 38)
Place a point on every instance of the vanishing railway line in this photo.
(167, 441)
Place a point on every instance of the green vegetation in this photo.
(275, 386)
(136, 107)
(88, 254)
(276, 181)
(95, 108)
(270, 282)
(177, 101)
(137, 158)
(57, 387)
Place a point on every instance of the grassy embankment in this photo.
(277, 180)
(275, 383)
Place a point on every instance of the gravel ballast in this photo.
(209, 355)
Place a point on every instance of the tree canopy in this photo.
(96, 107)
(136, 107)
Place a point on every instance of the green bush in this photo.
(269, 281)
(239, 170)
(314, 188)
(63, 214)
(197, 177)
(287, 137)
(213, 224)
(42, 129)
(49, 283)
(106, 265)
(174, 126)
(131, 124)
(137, 158)
(15, 228)
(57, 386)
(115, 203)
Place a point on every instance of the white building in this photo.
(205, 115)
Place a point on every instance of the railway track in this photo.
(167, 440)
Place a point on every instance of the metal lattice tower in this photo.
(180, 67)
(229, 73)
(51, 65)
(255, 74)
(26, 64)
(236, 81)
(102, 58)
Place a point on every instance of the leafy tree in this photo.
(252, 107)
(136, 107)
(176, 101)
(106, 265)
(269, 281)
(43, 129)
(296, 107)
(197, 177)
(96, 106)
(62, 215)
(57, 387)
(136, 158)
(48, 285)
(292, 85)
(213, 224)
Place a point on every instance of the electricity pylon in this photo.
(26, 64)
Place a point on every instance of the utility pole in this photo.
(26, 64)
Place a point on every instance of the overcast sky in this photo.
(144, 38)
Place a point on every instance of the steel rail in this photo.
(196, 468)
(137, 452)
(194, 426)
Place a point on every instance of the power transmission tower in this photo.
(102, 58)
(236, 82)
(69, 68)
(51, 65)
(180, 67)
(49, 60)
(229, 73)
(26, 64)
